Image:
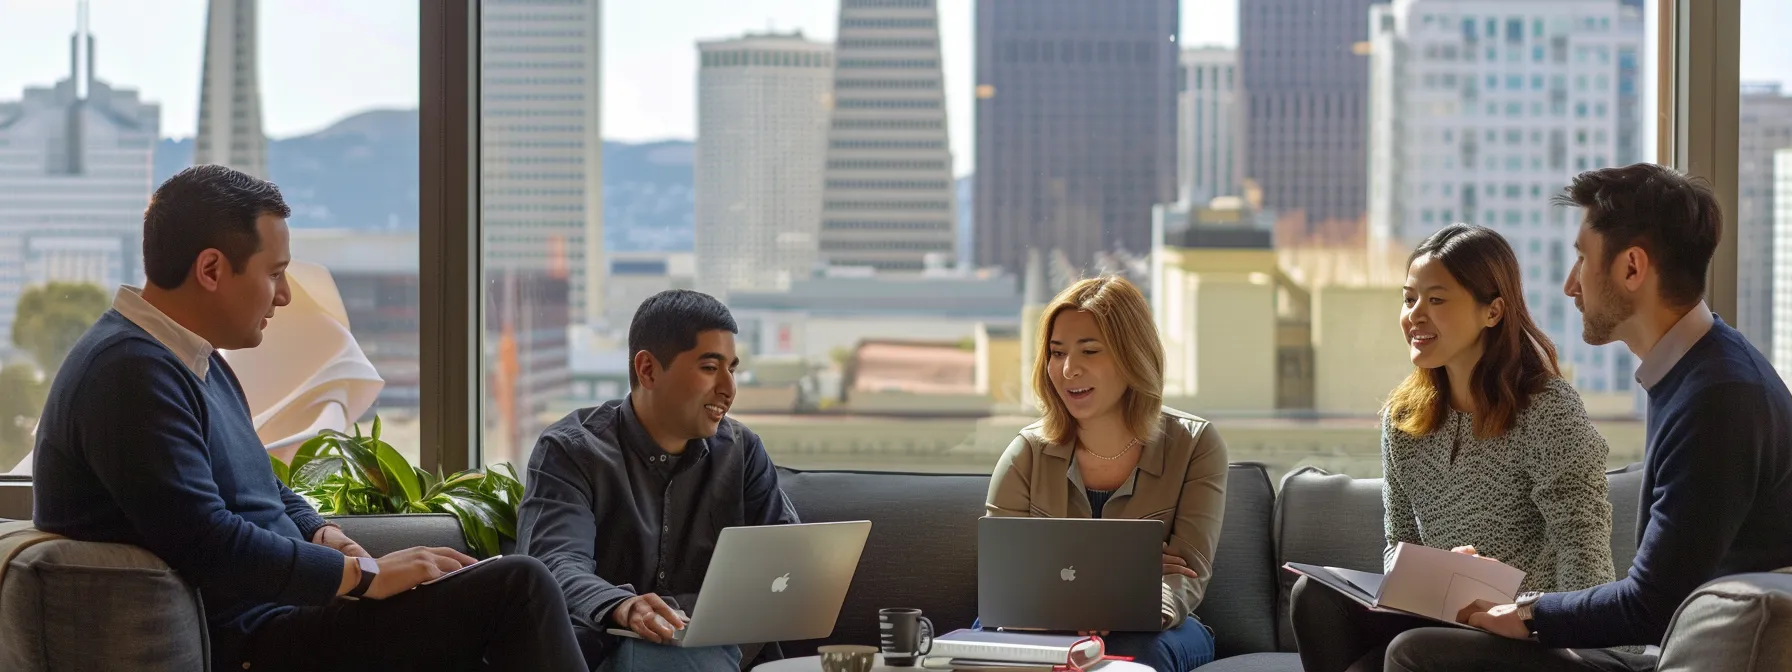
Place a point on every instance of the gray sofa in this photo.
(921, 553)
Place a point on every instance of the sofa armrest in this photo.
(75, 605)
(1741, 623)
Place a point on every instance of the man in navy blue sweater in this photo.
(146, 439)
(1717, 484)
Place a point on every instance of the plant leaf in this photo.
(477, 523)
(376, 428)
(367, 461)
(307, 452)
(397, 470)
(280, 470)
(318, 471)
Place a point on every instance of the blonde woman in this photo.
(1107, 448)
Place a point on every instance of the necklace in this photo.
(1123, 451)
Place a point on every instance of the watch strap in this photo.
(370, 569)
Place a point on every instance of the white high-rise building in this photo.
(1782, 261)
(541, 144)
(1209, 128)
(230, 91)
(1481, 111)
(1765, 125)
(889, 191)
(75, 177)
(762, 131)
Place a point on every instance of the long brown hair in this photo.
(1124, 320)
(1517, 359)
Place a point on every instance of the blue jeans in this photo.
(1179, 649)
(636, 655)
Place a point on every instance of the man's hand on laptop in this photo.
(1174, 564)
(648, 616)
(403, 570)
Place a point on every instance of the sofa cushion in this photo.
(1741, 623)
(1240, 599)
(72, 605)
(385, 533)
(1333, 519)
(922, 551)
(1255, 662)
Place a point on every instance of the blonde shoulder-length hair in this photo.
(1124, 320)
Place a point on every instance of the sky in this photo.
(322, 60)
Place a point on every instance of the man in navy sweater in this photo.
(1717, 484)
(146, 439)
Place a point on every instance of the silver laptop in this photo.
(773, 583)
(1070, 574)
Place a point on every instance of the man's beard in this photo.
(1613, 308)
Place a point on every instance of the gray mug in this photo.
(905, 634)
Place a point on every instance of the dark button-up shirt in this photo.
(613, 515)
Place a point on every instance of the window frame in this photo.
(1697, 132)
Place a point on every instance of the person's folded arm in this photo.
(141, 434)
(1195, 532)
(1010, 495)
(556, 524)
(1705, 468)
(1565, 459)
(1398, 523)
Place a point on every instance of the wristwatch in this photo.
(370, 568)
(1526, 603)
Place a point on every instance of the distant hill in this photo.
(361, 173)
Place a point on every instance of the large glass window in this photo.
(884, 193)
(1763, 221)
(100, 104)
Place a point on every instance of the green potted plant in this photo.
(343, 474)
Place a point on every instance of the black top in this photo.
(604, 496)
(1098, 499)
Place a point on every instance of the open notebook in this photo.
(1422, 581)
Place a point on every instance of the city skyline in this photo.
(307, 87)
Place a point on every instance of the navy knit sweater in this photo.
(1716, 498)
(134, 448)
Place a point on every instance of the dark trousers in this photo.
(507, 614)
(1447, 648)
(1335, 633)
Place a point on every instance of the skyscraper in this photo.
(1781, 260)
(1076, 126)
(230, 91)
(74, 178)
(1481, 110)
(888, 193)
(762, 131)
(1306, 85)
(541, 144)
(1766, 126)
(1209, 126)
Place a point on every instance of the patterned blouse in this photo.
(1534, 498)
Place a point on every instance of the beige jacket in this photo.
(1180, 479)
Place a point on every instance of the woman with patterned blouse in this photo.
(1485, 448)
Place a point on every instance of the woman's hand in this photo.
(1470, 550)
(1174, 564)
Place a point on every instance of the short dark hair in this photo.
(201, 208)
(667, 324)
(1674, 218)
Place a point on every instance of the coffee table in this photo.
(813, 664)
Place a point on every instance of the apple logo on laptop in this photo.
(780, 583)
(1068, 573)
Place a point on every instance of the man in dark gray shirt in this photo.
(626, 500)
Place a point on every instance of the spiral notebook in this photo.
(996, 648)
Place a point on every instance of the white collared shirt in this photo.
(193, 350)
(1673, 345)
